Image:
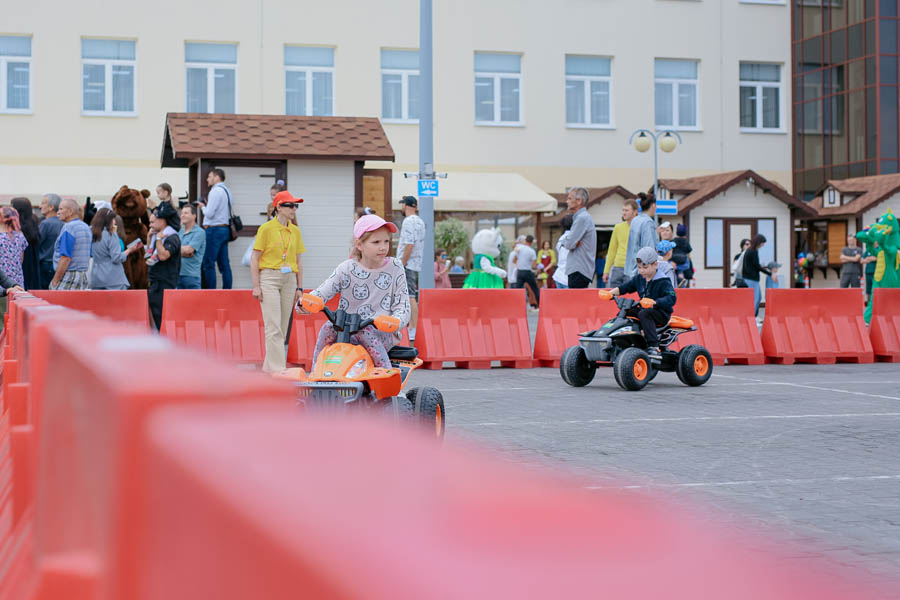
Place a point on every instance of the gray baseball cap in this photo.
(647, 255)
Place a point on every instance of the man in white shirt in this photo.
(410, 248)
(525, 259)
(216, 217)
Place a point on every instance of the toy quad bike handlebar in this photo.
(626, 303)
(347, 324)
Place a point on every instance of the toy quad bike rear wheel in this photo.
(694, 365)
(428, 404)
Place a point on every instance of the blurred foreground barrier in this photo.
(817, 326)
(127, 306)
(329, 518)
(225, 324)
(82, 534)
(725, 324)
(563, 315)
(472, 328)
(884, 327)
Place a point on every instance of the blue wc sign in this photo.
(428, 187)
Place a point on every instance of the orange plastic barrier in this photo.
(472, 328)
(127, 306)
(90, 479)
(815, 326)
(226, 324)
(563, 315)
(725, 324)
(884, 327)
(479, 527)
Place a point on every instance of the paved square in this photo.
(807, 452)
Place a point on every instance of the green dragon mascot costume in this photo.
(882, 240)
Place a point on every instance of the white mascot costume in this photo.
(485, 274)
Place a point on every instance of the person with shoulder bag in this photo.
(737, 266)
(218, 220)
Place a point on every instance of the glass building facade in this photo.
(845, 90)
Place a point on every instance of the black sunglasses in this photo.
(288, 205)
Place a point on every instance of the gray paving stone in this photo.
(806, 453)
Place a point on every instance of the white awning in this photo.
(480, 192)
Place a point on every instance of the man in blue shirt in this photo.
(193, 245)
(49, 231)
(642, 233)
(216, 216)
(72, 252)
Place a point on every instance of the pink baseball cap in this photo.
(368, 223)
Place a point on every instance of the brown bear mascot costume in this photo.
(131, 205)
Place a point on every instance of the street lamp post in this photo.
(664, 140)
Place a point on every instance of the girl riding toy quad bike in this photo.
(620, 344)
(344, 375)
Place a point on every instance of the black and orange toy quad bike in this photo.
(620, 344)
(345, 378)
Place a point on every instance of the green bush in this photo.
(451, 235)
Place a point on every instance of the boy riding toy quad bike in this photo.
(620, 344)
(344, 375)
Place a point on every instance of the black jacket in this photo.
(681, 251)
(659, 288)
(752, 268)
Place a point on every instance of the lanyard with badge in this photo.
(285, 268)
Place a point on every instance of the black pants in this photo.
(650, 319)
(578, 281)
(155, 298)
(47, 273)
(524, 278)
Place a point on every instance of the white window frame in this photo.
(210, 83)
(309, 87)
(404, 91)
(496, 77)
(676, 84)
(587, 79)
(831, 198)
(109, 63)
(3, 81)
(776, 2)
(759, 85)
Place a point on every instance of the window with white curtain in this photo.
(714, 244)
(15, 74)
(760, 97)
(676, 86)
(211, 77)
(108, 69)
(588, 91)
(498, 83)
(308, 81)
(400, 86)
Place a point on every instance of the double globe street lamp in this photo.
(643, 139)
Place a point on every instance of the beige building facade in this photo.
(550, 91)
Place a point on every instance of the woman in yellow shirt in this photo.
(276, 268)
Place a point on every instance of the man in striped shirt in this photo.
(72, 252)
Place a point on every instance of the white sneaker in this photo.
(412, 333)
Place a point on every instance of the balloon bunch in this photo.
(803, 260)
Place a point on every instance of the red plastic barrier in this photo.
(126, 306)
(815, 326)
(89, 518)
(473, 328)
(884, 327)
(563, 315)
(226, 324)
(417, 520)
(725, 324)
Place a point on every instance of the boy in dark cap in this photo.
(657, 297)
(163, 256)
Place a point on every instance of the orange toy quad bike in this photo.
(620, 344)
(344, 376)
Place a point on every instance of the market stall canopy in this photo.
(480, 192)
(220, 136)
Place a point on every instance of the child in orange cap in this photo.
(370, 283)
